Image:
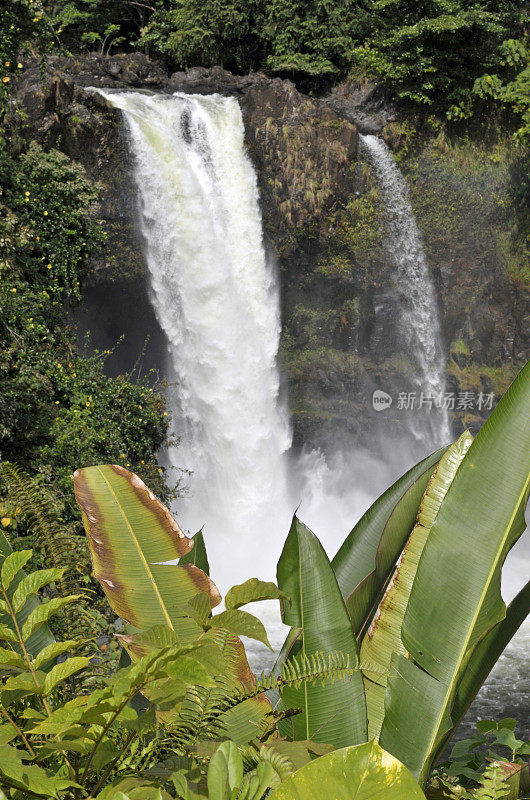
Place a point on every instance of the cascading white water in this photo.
(420, 324)
(216, 299)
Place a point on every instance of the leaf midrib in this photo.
(142, 557)
(450, 686)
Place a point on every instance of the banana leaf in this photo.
(368, 555)
(384, 635)
(130, 532)
(197, 555)
(364, 772)
(336, 712)
(456, 597)
(132, 537)
(484, 658)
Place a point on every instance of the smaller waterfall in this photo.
(420, 322)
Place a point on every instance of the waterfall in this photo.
(420, 324)
(217, 301)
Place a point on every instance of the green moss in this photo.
(401, 137)
(482, 378)
(357, 238)
(518, 266)
(459, 347)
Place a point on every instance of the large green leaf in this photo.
(365, 772)
(42, 637)
(336, 712)
(225, 772)
(132, 537)
(368, 555)
(456, 597)
(197, 555)
(484, 656)
(251, 591)
(384, 635)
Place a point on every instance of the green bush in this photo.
(57, 408)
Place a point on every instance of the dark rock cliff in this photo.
(324, 221)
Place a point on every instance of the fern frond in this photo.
(59, 545)
(310, 669)
(280, 763)
(492, 784)
(201, 713)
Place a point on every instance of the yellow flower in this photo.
(45, 213)
(14, 291)
(87, 403)
(27, 194)
(6, 521)
(48, 266)
(7, 63)
(19, 65)
(5, 80)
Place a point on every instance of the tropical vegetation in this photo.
(392, 638)
(376, 673)
(444, 54)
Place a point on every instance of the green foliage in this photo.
(58, 741)
(312, 38)
(432, 53)
(207, 33)
(514, 92)
(287, 36)
(225, 776)
(60, 549)
(71, 744)
(57, 408)
(24, 27)
(445, 53)
(55, 202)
(352, 773)
(471, 760)
(435, 667)
(316, 612)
